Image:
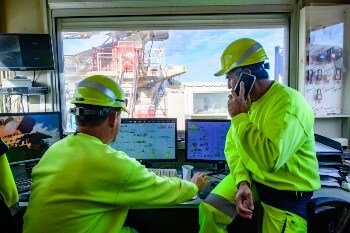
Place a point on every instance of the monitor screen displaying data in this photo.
(205, 140)
(29, 135)
(147, 139)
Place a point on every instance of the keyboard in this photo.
(163, 172)
(23, 184)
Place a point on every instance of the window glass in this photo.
(209, 103)
(164, 73)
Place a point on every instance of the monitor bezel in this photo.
(31, 68)
(173, 120)
(186, 141)
(59, 115)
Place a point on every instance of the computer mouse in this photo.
(214, 183)
(204, 193)
(24, 197)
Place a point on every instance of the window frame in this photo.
(168, 22)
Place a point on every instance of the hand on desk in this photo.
(201, 180)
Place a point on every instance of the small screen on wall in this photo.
(26, 52)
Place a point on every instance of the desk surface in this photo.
(323, 192)
(333, 192)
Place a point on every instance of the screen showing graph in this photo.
(205, 140)
(147, 139)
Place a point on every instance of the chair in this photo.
(7, 222)
(328, 215)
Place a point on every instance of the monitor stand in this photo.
(220, 169)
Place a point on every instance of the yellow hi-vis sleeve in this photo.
(273, 145)
(237, 169)
(8, 189)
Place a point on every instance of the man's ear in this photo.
(112, 119)
(248, 71)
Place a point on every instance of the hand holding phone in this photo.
(237, 103)
(248, 81)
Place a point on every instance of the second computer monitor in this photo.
(29, 135)
(205, 140)
(147, 139)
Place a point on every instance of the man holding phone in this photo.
(269, 148)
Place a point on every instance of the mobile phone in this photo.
(248, 81)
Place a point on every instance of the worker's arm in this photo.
(144, 188)
(272, 145)
(237, 169)
(8, 189)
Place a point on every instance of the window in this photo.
(209, 103)
(165, 64)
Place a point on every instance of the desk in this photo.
(184, 217)
(333, 192)
(323, 192)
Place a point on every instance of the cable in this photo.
(35, 79)
(21, 96)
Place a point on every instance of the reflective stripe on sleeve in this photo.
(221, 204)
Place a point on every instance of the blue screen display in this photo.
(205, 140)
(147, 139)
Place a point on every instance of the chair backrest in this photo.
(328, 215)
(7, 222)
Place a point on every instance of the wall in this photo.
(22, 16)
(26, 16)
(1, 16)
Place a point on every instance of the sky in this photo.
(48, 124)
(198, 50)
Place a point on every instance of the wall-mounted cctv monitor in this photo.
(147, 139)
(29, 135)
(26, 52)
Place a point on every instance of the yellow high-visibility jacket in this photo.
(274, 143)
(83, 185)
(8, 189)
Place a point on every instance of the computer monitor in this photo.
(205, 140)
(148, 139)
(26, 52)
(29, 135)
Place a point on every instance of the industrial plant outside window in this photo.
(164, 73)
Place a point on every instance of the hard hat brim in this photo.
(124, 110)
(219, 73)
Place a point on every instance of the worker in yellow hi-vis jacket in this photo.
(81, 184)
(270, 149)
